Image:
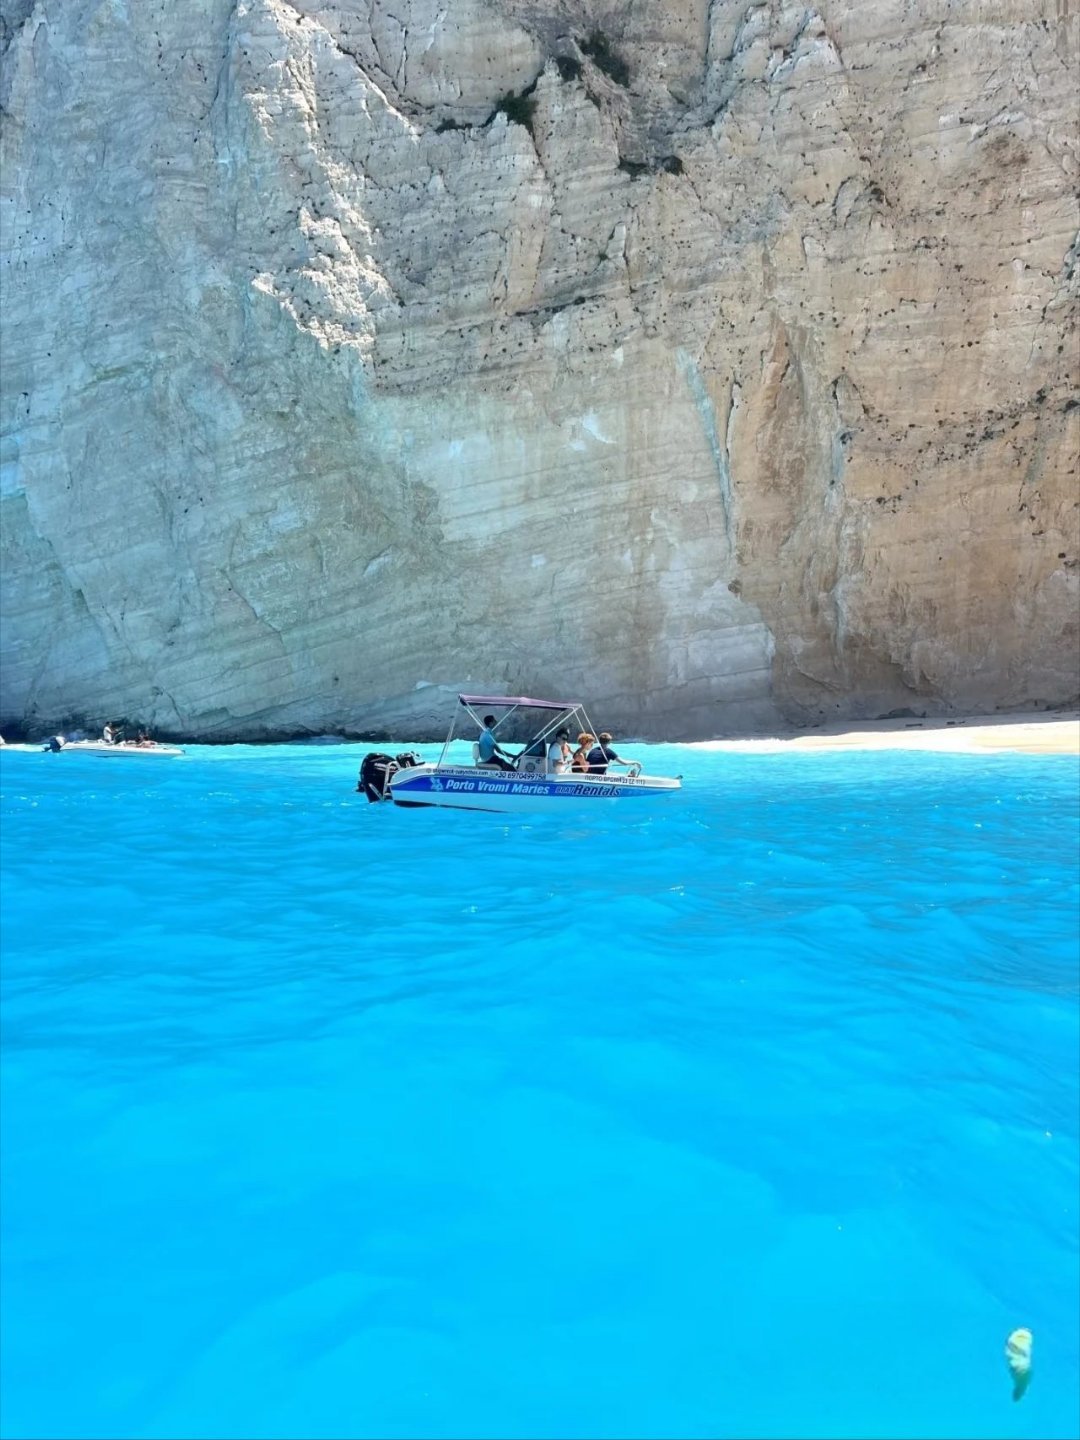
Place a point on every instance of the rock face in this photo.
(714, 362)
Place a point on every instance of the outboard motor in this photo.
(377, 770)
(55, 743)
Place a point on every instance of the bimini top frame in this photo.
(562, 711)
(516, 700)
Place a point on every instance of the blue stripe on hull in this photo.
(466, 788)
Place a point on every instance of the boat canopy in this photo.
(519, 700)
(559, 712)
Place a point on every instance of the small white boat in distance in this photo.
(535, 783)
(110, 750)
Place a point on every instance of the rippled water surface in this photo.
(755, 1115)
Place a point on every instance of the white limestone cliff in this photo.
(713, 362)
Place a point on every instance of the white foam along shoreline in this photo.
(1035, 734)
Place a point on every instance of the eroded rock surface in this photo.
(715, 362)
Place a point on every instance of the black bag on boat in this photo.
(408, 758)
(376, 770)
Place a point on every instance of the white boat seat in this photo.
(482, 764)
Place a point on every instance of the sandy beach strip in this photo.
(1037, 734)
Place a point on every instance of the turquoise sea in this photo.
(752, 1116)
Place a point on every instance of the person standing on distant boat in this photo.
(491, 752)
(113, 733)
(603, 755)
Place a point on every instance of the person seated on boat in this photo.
(579, 761)
(558, 754)
(603, 755)
(113, 733)
(144, 739)
(491, 752)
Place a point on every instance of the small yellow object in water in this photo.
(1018, 1359)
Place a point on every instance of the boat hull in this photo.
(117, 752)
(464, 787)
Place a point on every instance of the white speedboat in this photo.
(535, 783)
(111, 750)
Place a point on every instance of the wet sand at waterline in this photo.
(1035, 734)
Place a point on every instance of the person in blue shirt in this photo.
(603, 754)
(491, 752)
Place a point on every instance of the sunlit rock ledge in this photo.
(712, 363)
